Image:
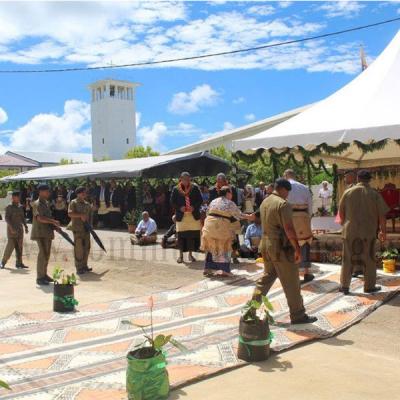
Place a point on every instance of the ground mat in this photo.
(81, 356)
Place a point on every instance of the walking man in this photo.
(43, 225)
(80, 211)
(301, 200)
(15, 219)
(362, 211)
(280, 250)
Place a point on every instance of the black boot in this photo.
(306, 319)
(42, 281)
(373, 290)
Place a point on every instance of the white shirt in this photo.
(300, 194)
(325, 195)
(102, 193)
(147, 227)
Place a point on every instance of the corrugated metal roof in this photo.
(45, 157)
(10, 161)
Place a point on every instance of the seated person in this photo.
(146, 231)
(169, 240)
(252, 239)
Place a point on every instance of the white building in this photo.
(113, 114)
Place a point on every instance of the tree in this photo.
(221, 152)
(140, 152)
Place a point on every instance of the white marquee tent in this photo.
(365, 110)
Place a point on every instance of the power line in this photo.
(223, 53)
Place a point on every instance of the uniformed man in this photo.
(362, 211)
(350, 178)
(300, 199)
(80, 211)
(43, 225)
(281, 251)
(15, 219)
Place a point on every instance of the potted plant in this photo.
(130, 219)
(64, 299)
(389, 258)
(146, 375)
(254, 334)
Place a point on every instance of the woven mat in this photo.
(81, 356)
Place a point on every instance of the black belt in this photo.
(231, 219)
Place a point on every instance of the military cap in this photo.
(364, 175)
(283, 183)
(15, 193)
(43, 186)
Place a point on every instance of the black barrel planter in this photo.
(254, 340)
(62, 292)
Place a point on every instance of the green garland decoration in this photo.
(335, 183)
(370, 147)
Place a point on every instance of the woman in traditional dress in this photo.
(186, 199)
(219, 232)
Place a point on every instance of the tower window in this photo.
(127, 140)
(112, 91)
(102, 140)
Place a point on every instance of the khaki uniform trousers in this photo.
(43, 256)
(288, 274)
(359, 255)
(81, 249)
(13, 243)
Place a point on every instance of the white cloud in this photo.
(3, 116)
(96, 33)
(263, 10)
(191, 102)
(228, 126)
(342, 8)
(156, 135)
(250, 117)
(285, 4)
(152, 135)
(51, 132)
(239, 100)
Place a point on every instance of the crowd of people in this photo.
(277, 222)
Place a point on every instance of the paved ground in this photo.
(362, 363)
(124, 271)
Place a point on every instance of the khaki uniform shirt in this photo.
(362, 206)
(41, 207)
(15, 218)
(81, 207)
(275, 213)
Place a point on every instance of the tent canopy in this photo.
(167, 166)
(367, 110)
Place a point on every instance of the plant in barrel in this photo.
(146, 375)
(389, 258)
(64, 299)
(254, 333)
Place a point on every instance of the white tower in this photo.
(113, 114)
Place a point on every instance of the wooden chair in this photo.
(391, 195)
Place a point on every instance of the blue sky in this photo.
(181, 103)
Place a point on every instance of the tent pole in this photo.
(139, 196)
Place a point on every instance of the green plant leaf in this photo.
(179, 345)
(159, 342)
(255, 304)
(267, 303)
(4, 385)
